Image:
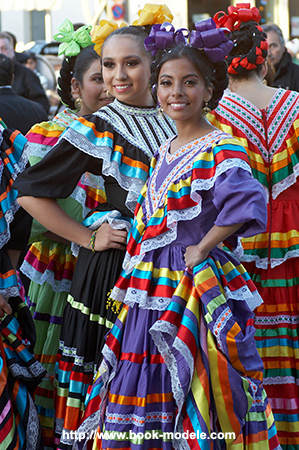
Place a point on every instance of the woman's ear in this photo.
(209, 93)
(264, 69)
(75, 88)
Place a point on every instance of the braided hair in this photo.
(250, 49)
(74, 67)
(213, 74)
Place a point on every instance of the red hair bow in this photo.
(236, 15)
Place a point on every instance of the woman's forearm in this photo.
(49, 214)
(197, 253)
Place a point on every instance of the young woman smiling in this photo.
(116, 142)
(180, 365)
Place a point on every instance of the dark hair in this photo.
(139, 33)
(6, 70)
(24, 56)
(273, 27)
(213, 74)
(249, 51)
(74, 67)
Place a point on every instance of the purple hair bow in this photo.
(214, 41)
(164, 36)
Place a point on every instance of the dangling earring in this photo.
(205, 109)
(108, 95)
(78, 103)
(160, 108)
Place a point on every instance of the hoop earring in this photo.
(206, 109)
(78, 103)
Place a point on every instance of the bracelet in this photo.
(92, 240)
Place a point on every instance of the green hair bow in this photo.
(72, 41)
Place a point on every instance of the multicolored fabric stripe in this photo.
(19, 424)
(271, 258)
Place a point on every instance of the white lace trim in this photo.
(220, 324)
(113, 218)
(34, 370)
(33, 426)
(11, 291)
(263, 263)
(253, 299)
(71, 352)
(46, 277)
(280, 380)
(206, 185)
(8, 217)
(131, 296)
(156, 332)
(286, 183)
(110, 168)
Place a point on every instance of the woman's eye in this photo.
(165, 83)
(191, 82)
(132, 63)
(108, 64)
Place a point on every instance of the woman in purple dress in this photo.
(180, 367)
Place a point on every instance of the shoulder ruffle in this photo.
(124, 159)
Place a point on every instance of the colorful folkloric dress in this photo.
(181, 356)
(50, 267)
(117, 142)
(20, 373)
(270, 137)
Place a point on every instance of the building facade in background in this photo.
(41, 25)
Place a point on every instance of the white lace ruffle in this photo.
(46, 277)
(133, 296)
(35, 370)
(12, 291)
(156, 333)
(263, 263)
(113, 218)
(8, 217)
(280, 380)
(110, 167)
(286, 183)
(33, 426)
(253, 299)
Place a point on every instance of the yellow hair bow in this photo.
(152, 14)
(72, 41)
(102, 31)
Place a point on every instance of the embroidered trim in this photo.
(140, 421)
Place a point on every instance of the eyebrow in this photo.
(186, 76)
(126, 57)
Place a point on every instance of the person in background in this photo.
(16, 111)
(116, 142)
(286, 71)
(49, 262)
(26, 82)
(266, 121)
(29, 59)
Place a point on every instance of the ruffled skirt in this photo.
(187, 376)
